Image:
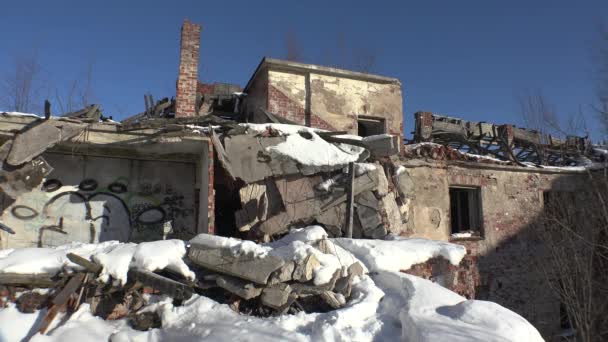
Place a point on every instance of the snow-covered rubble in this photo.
(400, 254)
(116, 258)
(384, 306)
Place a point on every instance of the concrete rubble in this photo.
(280, 192)
(275, 280)
(254, 279)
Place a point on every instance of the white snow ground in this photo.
(385, 305)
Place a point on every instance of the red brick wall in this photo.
(462, 279)
(188, 70)
(281, 105)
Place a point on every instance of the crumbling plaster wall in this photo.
(327, 102)
(511, 203)
(117, 199)
(257, 99)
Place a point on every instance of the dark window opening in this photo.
(369, 126)
(465, 211)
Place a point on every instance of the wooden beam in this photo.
(350, 200)
(35, 280)
(88, 265)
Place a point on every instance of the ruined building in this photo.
(254, 162)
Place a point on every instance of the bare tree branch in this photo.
(22, 85)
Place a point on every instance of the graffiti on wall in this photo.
(91, 212)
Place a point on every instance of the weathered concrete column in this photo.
(188, 70)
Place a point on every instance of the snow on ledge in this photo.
(400, 254)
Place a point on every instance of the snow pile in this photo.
(116, 258)
(387, 306)
(48, 260)
(400, 254)
(237, 246)
(429, 312)
(297, 246)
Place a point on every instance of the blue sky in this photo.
(461, 58)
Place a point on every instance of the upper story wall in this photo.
(324, 97)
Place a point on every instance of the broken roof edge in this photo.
(318, 69)
(469, 164)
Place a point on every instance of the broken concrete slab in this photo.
(222, 156)
(276, 224)
(344, 285)
(365, 182)
(15, 181)
(36, 139)
(367, 199)
(276, 296)
(283, 274)
(404, 183)
(304, 270)
(391, 214)
(382, 188)
(300, 199)
(356, 269)
(369, 217)
(255, 206)
(250, 161)
(333, 219)
(382, 145)
(245, 266)
(243, 289)
(332, 299)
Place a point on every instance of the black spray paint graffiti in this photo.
(119, 220)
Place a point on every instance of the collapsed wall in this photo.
(100, 183)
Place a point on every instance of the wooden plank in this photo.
(61, 300)
(35, 280)
(350, 200)
(165, 285)
(71, 287)
(87, 264)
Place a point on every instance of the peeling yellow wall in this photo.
(340, 101)
(337, 101)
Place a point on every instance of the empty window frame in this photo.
(367, 126)
(465, 211)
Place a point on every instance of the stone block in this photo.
(304, 270)
(243, 289)
(283, 274)
(404, 184)
(391, 215)
(245, 266)
(276, 296)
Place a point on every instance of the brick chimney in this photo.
(188, 70)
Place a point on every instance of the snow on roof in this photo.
(307, 149)
(20, 114)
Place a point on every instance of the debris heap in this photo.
(304, 271)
